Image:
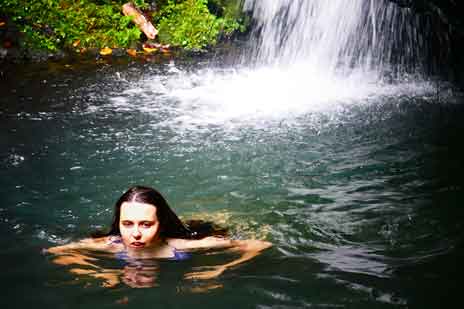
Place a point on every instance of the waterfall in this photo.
(339, 36)
(309, 62)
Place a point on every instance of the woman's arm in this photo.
(249, 248)
(74, 254)
(94, 244)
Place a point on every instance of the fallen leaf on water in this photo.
(132, 52)
(2, 23)
(106, 51)
(76, 43)
(149, 48)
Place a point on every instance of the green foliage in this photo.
(190, 24)
(54, 24)
(75, 24)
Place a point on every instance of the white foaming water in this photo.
(311, 56)
(336, 36)
(243, 97)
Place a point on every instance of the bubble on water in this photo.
(17, 226)
(44, 235)
(15, 159)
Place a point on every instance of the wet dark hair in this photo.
(170, 224)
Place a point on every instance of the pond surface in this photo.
(358, 185)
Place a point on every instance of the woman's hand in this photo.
(207, 274)
(251, 245)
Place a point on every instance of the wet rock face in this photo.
(449, 12)
(447, 25)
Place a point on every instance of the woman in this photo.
(145, 227)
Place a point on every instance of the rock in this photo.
(140, 20)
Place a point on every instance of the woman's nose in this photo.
(136, 233)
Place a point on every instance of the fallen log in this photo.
(140, 20)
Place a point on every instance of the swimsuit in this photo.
(180, 255)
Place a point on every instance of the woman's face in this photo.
(138, 225)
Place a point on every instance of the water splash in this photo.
(234, 98)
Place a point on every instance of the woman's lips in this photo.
(137, 244)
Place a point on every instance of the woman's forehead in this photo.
(137, 211)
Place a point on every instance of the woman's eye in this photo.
(147, 224)
(126, 224)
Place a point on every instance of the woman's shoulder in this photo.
(105, 243)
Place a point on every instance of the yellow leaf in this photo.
(149, 48)
(132, 52)
(106, 51)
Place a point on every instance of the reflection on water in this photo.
(357, 185)
(137, 276)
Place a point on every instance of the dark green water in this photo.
(361, 196)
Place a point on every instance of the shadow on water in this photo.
(432, 276)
